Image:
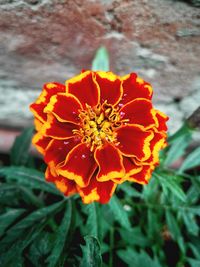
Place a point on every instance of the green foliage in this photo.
(141, 225)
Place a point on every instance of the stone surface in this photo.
(52, 40)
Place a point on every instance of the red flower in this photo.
(98, 131)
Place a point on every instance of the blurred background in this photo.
(53, 40)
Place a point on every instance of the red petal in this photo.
(97, 191)
(85, 88)
(138, 111)
(134, 87)
(66, 186)
(65, 108)
(110, 163)
(134, 141)
(79, 165)
(130, 167)
(57, 150)
(110, 87)
(162, 119)
(48, 91)
(156, 144)
(58, 130)
(143, 176)
(41, 142)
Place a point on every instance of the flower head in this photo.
(98, 131)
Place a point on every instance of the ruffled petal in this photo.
(41, 142)
(65, 108)
(143, 176)
(64, 185)
(97, 191)
(110, 162)
(48, 91)
(161, 120)
(38, 124)
(156, 144)
(79, 165)
(110, 87)
(134, 87)
(134, 141)
(130, 167)
(57, 150)
(85, 88)
(139, 111)
(58, 130)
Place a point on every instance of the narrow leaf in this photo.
(62, 233)
(28, 177)
(177, 148)
(20, 148)
(192, 160)
(91, 253)
(8, 218)
(119, 213)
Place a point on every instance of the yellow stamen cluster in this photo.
(99, 124)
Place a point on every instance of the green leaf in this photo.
(41, 248)
(193, 262)
(62, 234)
(29, 178)
(190, 223)
(9, 195)
(177, 148)
(91, 253)
(13, 254)
(20, 148)
(134, 237)
(8, 218)
(92, 219)
(174, 230)
(192, 160)
(129, 190)
(101, 60)
(119, 213)
(134, 259)
(36, 217)
(172, 183)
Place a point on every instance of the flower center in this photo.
(99, 124)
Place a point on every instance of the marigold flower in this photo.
(98, 131)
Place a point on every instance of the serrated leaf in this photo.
(7, 218)
(132, 258)
(91, 253)
(134, 237)
(101, 60)
(190, 223)
(92, 219)
(120, 214)
(192, 160)
(12, 254)
(36, 217)
(29, 178)
(20, 148)
(62, 233)
(174, 230)
(129, 190)
(172, 184)
(177, 149)
(9, 195)
(41, 247)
